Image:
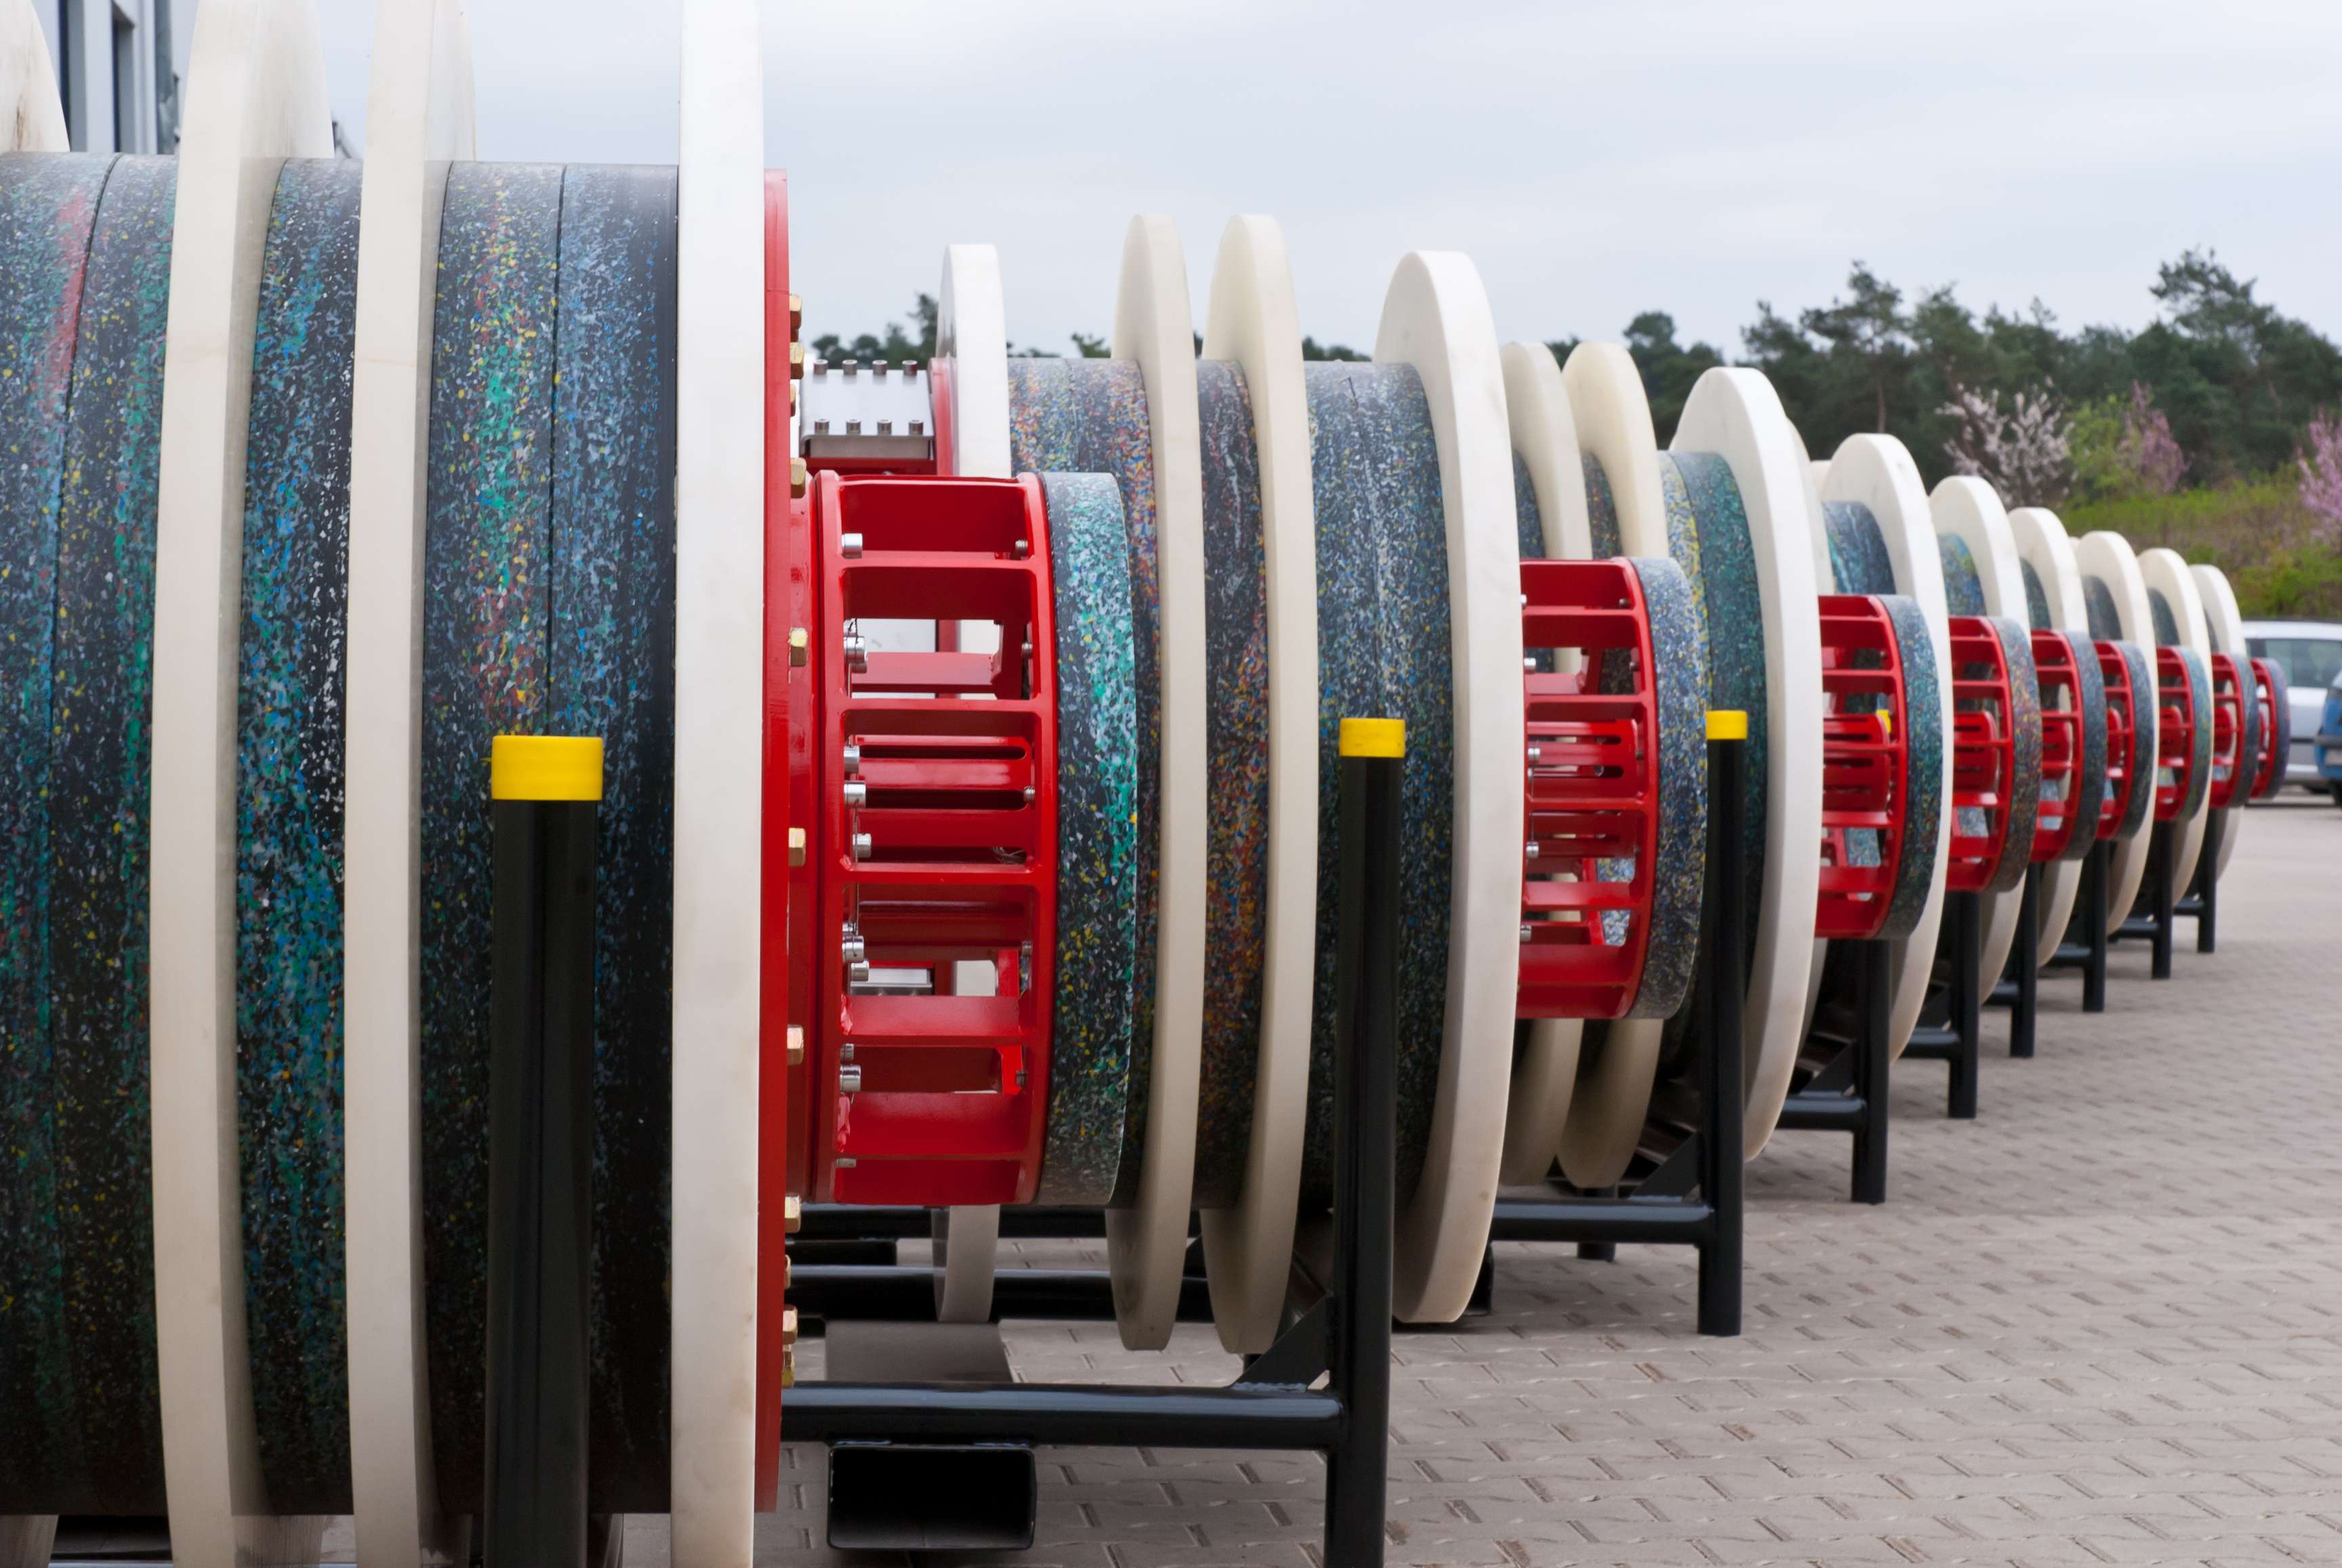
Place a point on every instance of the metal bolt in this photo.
(862, 846)
(918, 427)
(851, 366)
(845, 1052)
(797, 476)
(851, 757)
(798, 646)
(857, 651)
(857, 973)
(1028, 795)
(1534, 753)
(842, 1163)
(849, 1080)
(797, 1046)
(821, 427)
(854, 427)
(857, 793)
(797, 361)
(1528, 663)
(850, 948)
(788, 1326)
(850, 546)
(1531, 850)
(1524, 933)
(1022, 548)
(791, 1214)
(796, 313)
(796, 846)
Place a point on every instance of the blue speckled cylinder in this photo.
(2199, 773)
(1680, 877)
(1962, 586)
(289, 861)
(2089, 782)
(1236, 692)
(1095, 1002)
(2143, 702)
(1602, 514)
(2037, 599)
(1923, 805)
(2024, 734)
(1089, 416)
(2099, 600)
(1384, 649)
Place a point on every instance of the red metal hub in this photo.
(2270, 764)
(1593, 797)
(1866, 767)
(2175, 744)
(2231, 770)
(2061, 815)
(1984, 753)
(2122, 730)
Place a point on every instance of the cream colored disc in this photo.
(1876, 471)
(2166, 572)
(1611, 418)
(418, 118)
(1253, 321)
(719, 729)
(256, 96)
(1436, 318)
(1544, 439)
(2042, 545)
(971, 352)
(1147, 1243)
(31, 120)
(1736, 415)
(1967, 509)
(2225, 625)
(2108, 556)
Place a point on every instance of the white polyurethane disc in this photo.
(2108, 556)
(255, 95)
(1254, 322)
(31, 120)
(2042, 543)
(972, 343)
(1611, 416)
(719, 744)
(1970, 510)
(1544, 439)
(1736, 415)
(418, 119)
(1877, 472)
(2166, 571)
(1436, 318)
(972, 340)
(963, 1295)
(2225, 623)
(1147, 1243)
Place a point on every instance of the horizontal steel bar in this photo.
(1082, 1414)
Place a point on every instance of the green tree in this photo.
(1668, 368)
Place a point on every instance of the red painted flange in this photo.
(774, 1073)
(1984, 752)
(2061, 815)
(1865, 765)
(2122, 728)
(2269, 768)
(2231, 771)
(2175, 743)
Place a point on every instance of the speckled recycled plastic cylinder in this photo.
(2099, 600)
(2037, 598)
(2145, 700)
(99, 794)
(1962, 586)
(1089, 416)
(612, 638)
(85, 269)
(2281, 743)
(1384, 649)
(1680, 655)
(1602, 517)
(2025, 724)
(1860, 564)
(550, 609)
(2088, 780)
(2249, 742)
(2199, 775)
(486, 616)
(1094, 1006)
(288, 852)
(1236, 638)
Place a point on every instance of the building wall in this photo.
(119, 65)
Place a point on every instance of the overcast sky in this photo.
(1595, 157)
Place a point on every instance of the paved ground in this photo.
(2102, 1325)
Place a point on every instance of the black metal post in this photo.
(540, 1149)
(1871, 1071)
(2162, 868)
(2207, 883)
(1366, 1088)
(2022, 954)
(1967, 1008)
(2096, 872)
(1722, 1172)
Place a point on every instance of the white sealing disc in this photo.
(1611, 417)
(1877, 472)
(2225, 625)
(972, 351)
(1967, 509)
(2108, 556)
(1147, 1243)
(1436, 318)
(418, 119)
(1544, 439)
(2166, 572)
(31, 120)
(255, 95)
(2042, 545)
(1254, 322)
(1736, 415)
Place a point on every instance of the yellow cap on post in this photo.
(1373, 737)
(1726, 725)
(545, 767)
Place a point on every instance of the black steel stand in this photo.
(1958, 1040)
(1688, 1179)
(2019, 988)
(540, 1175)
(1848, 1092)
(1345, 1337)
(2202, 902)
(2162, 874)
(2089, 954)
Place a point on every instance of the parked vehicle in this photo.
(2310, 655)
(2329, 741)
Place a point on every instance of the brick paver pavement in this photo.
(2101, 1324)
